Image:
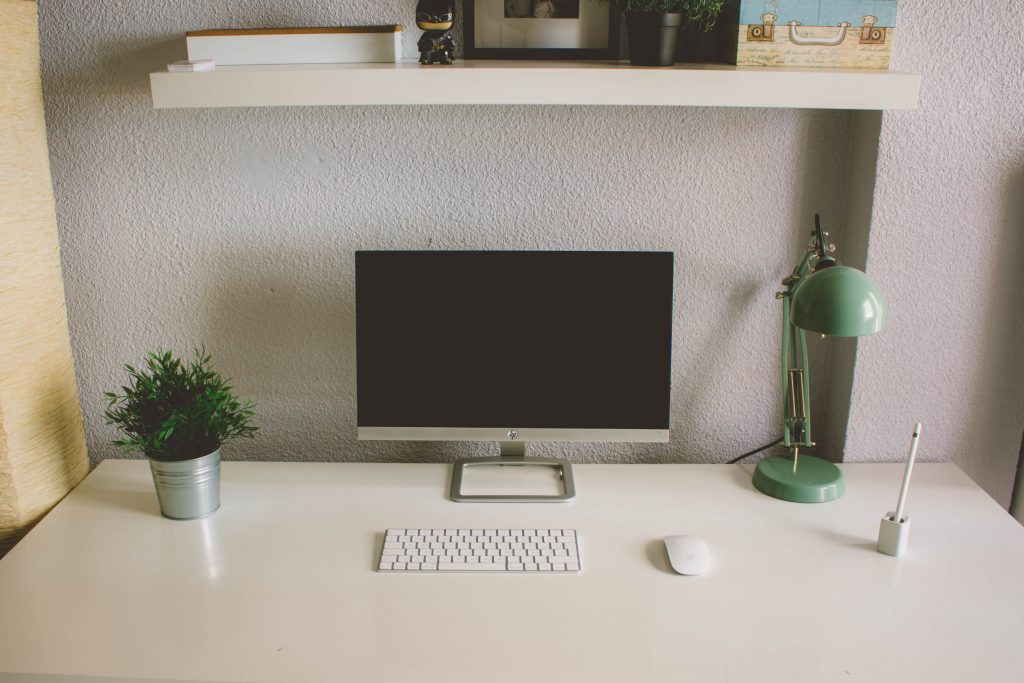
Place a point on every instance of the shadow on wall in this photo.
(823, 164)
(287, 317)
(822, 173)
(280, 322)
(862, 161)
(1017, 499)
(1002, 365)
(709, 366)
(134, 60)
(132, 64)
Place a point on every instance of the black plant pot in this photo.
(653, 37)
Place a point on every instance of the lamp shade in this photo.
(840, 302)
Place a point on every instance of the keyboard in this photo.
(548, 551)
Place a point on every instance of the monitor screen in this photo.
(549, 345)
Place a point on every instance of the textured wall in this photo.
(235, 228)
(42, 446)
(947, 239)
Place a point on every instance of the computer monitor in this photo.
(514, 346)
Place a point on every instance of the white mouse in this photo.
(688, 554)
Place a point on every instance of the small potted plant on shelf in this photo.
(654, 25)
(179, 414)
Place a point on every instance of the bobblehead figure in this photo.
(436, 18)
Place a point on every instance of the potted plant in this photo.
(654, 26)
(179, 414)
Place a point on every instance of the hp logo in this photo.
(512, 434)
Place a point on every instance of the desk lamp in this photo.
(825, 297)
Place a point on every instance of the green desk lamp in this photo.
(821, 296)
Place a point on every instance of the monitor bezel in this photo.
(617, 435)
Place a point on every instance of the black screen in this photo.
(572, 340)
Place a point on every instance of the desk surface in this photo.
(279, 585)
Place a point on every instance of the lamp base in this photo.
(814, 480)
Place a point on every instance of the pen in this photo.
(898, 518)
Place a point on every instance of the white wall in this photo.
(235, 228)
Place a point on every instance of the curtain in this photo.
(42, 441)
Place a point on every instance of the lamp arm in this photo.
(806, 376)
(803, 268)
(796, 381)
(786, 337)
(819, 237)
(796, 374)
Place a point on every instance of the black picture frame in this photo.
(470, 51)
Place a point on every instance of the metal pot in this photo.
(188, 489)
(653, 37)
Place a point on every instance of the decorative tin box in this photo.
(847, 34)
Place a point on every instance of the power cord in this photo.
(755, 451)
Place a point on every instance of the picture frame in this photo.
(488, 33)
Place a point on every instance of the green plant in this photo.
(173, 410)
(699, 13)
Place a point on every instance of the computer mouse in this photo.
(688, 554)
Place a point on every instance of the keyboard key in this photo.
(445, 567)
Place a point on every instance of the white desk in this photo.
(279, 584)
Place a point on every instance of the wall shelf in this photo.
(511, 83)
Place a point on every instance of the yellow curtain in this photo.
(42, 442)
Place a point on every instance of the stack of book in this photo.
(334, 45)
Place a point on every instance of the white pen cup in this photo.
(893, 535)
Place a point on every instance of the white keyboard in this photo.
(480, 550)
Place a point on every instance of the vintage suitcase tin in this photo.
(847, 34)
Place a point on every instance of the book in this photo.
(193, 65)
(330, 45)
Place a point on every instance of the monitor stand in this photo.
(513, 453)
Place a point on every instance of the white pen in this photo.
(898, 518)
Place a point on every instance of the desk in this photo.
(279, 584)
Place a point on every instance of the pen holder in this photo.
(893, 535)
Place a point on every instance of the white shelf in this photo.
(524, 82)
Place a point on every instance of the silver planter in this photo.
(188, 489)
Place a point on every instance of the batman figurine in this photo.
(436, 18)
